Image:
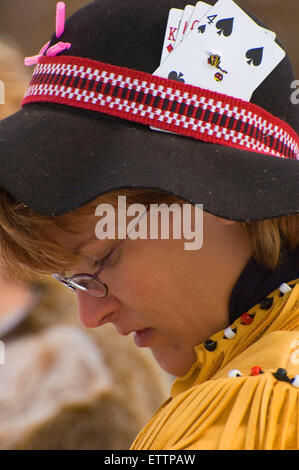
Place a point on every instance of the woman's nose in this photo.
(94, 311)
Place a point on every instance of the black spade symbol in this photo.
(255, 56)
(177, 77)
(225, 26)
(202, 28)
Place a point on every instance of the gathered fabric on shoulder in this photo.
(242, 392)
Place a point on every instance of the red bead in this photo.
(256, 370)
(246, 319)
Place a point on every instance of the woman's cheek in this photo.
(140, 280)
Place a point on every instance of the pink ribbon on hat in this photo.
(60, 19)
(57, 48)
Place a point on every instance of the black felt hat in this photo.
(56, 158)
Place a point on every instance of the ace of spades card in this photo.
(227, 53)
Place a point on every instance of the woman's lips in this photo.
(143, 337)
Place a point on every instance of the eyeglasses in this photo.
(90, 283)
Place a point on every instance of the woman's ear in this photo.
(212, 219)
(225, 221)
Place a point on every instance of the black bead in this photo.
(281, 374)
(266, 303)
(210, 345)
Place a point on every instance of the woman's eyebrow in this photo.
(78, 248)
(100, 250)
(92, 240)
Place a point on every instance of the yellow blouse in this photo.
(242, 393)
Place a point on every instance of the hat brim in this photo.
(76, 155)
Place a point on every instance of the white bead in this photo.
(229, 333)
(295, 381)
(284, 288)
(234, 373)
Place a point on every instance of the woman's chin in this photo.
(176, 363)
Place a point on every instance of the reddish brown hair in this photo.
(28, 245)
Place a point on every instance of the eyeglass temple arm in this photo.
(115, 249)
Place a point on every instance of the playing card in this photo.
(228, 53)
(173, 24)
(194, 14)
(200, 9)
(184, 23)
(270, 33)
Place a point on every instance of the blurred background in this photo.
(64, 386)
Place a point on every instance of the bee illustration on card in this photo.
(215, 60)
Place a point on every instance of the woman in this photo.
(43, 345)
(223, 319)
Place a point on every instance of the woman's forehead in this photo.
(89, 240)
(75, 243)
